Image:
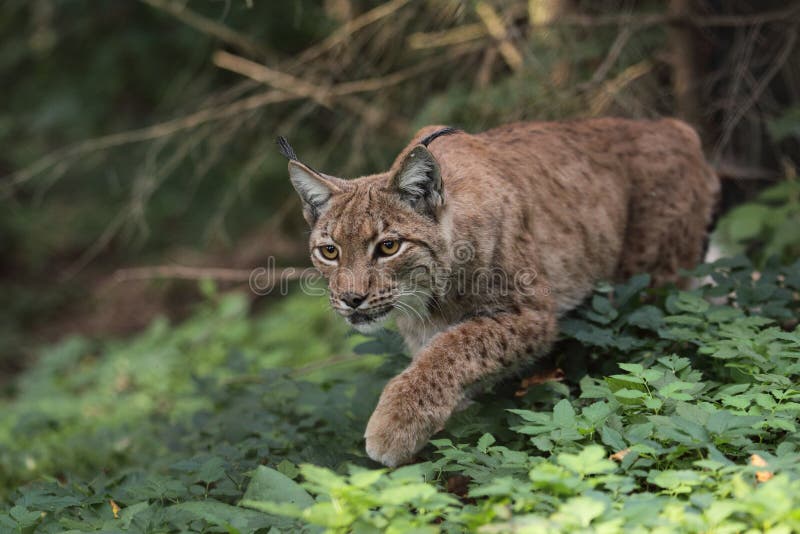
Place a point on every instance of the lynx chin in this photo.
(568, 203)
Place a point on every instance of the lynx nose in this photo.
(352, 299)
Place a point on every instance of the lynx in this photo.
(477, 243)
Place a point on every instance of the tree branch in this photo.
(145, 134)
(268, 76)
(209, 27)
(181, 272)
(497, 29)
(345, 31)
(755, 94)
(787, 15)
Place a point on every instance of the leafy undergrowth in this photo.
(678, 413)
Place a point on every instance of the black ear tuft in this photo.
(286, 149)
(438, 133)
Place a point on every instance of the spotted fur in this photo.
(500, 232)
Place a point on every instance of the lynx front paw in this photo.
(399, 426)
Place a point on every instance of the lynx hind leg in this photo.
(668, 225)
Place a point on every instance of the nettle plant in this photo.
(679, 412)
(697, 432)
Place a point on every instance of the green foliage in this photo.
(230, 423)
(767, 226)
(787, 125)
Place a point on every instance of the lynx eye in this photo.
(389, 247)
(329, 252)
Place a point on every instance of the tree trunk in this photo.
(685, 69)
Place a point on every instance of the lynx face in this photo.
(376, 239)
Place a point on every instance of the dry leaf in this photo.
(619, 455)
(458, 485)
(758, 461)
(114, 508)
(555, 375)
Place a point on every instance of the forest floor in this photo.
(674, 413)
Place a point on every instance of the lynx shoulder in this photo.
(476, 243)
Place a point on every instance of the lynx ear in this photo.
(314, 189)
(419, 181)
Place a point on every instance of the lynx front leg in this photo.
(417, 403)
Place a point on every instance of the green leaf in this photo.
(675, 390)
(328, 515)
(212, 470)
(24, 517)
(629, 394)
(321, 477)
(366, 478)
(564, 414)
(652, 375)
(633, 368)
(617, 382)
(597, 412)
(687, 302)
(543, 443)
(581, 509)
(288, 468)
(485, 442)
(786, 125)
(232, 518)
(653, 403)
(406, 493)
(612, 438)
(647, 317)
(128, 513)
(270, 485)
(590, 461)
(747, 221)
(677, 480)
(635, 285)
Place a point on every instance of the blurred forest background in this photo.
(137, 147)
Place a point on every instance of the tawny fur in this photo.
(528, 217)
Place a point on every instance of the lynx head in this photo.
(378, 240)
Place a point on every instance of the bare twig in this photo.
(345, 31)
(737, 171)
(216, 113)
(484, 75)
(295, 85)
(98, 246)
(182, 272)
(611, 58)
(496, 28)
(272, 77)
(453, 36)
(209, 26)
(786, 15)
(143, 189)
(148, 133)
(400, 76)
(471, 32)
(344, 92)
(755, 94)
(609, 90)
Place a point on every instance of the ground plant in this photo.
(674, 411)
